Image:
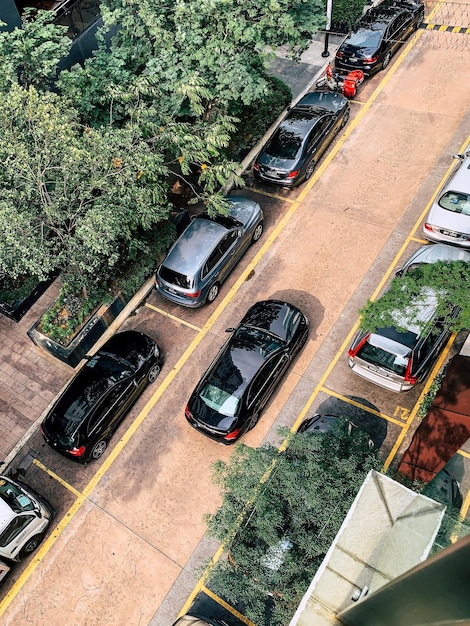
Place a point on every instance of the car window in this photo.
(228, 241)
(219, 399)
(394, 360)
(14, 528)
(262, 379)
(14, 497)
(108, 402)
(455, 201)
(365, 38)
(212, 261)
(284, 144)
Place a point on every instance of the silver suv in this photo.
(207, 251)
(398, 360)
(24, 518)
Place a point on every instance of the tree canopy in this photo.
(279, 515)
(448, 280)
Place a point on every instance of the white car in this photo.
(449, 218)
(24, 518)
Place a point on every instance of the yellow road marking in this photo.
(361, 406)
(172, 317)
(226, 606)
(53, 475)
(269, 194)
(465, 506)
(463, 453)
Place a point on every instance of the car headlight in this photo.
(156, 351)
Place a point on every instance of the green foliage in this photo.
(301, 496)
(12, 290)
(346, 13)
(449, 281)
(30, 54)
(430, 395)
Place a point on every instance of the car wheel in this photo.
(98, 449)
(386, 60)
(30, 546)
(257, 232)
(213, 293)
(310, 169)
(153, 372)
(345, 119)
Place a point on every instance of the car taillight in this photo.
(408, 377)
(255, 166)
(353, 351)
(371, 60)
(194, 294)
(293, 174)
(427, 226)
(187, 413)
(233, 435)
(77, 451)
(339, 55)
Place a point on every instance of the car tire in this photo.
(257, 232)
(98, 449)
(310, 169)
(345, 119)
(212, 293)
(30, 546)
(386, 60)
(153, 372)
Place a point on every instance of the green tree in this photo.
(30, 55)
(73, 199)
(448, 280)
(279, 515)
(346, 13)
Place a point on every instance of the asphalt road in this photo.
(130, 534)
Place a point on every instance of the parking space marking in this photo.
(361, 406)
(56, 477)
(262, 192)
(173, 317)
(423, 242)
(429, 382)
(226, 606)
(463, 453)
(465, 506)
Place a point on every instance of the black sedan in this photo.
(290, 156)
(88, 411)
(378, 34)
(229, 398)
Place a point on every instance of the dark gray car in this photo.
(207, 251)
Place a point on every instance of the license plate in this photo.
(450, 233)
(172, 290)
(353, 59)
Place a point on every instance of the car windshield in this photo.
(284, 144)
(393, 360)
(219, 400)
(456, 201)
(14, 497)
(264, 341)
(365, 37)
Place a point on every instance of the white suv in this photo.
(24, 518)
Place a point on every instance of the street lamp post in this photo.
(329, 7)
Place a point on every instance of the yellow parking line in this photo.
(425, 390)
(53, 475)
(463, 453)
(172, 317)
(226, 606)
(465, 506)
(363, 407)
(269, 194)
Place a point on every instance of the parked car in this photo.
(230, 396)
(378, 35)
(291, 154)
(449, 217)
(207, 251)
(197, 620)
(395, 359)
(431, 254)
(86, 414)
(24, 518)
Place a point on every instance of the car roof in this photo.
(195, 244)
(319, 100)
(460, 180)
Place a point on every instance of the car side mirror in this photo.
(459, 156)
(229, 330)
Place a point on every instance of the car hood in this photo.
(209, 417)
(447, 219)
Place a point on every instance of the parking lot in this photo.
(130, 533)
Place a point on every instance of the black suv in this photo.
(378, 34)
(89, 410)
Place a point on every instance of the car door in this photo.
(16, 533)
(263, 385)
(429, 348)
(396, 30)
(318, 140)
(111, 410)
(229, 253)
